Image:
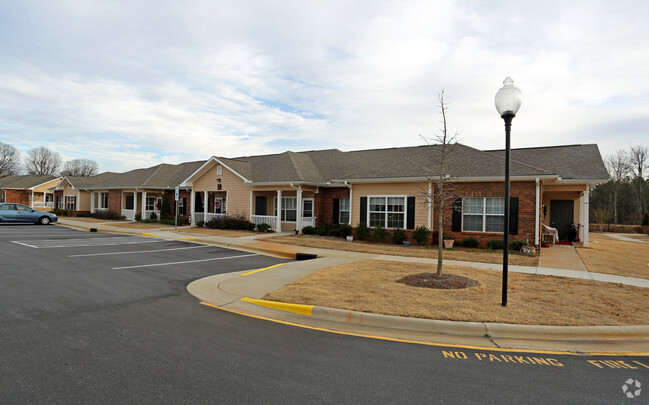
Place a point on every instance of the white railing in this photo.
(201, 216)
(41, 204)
(147, 214)
(264, 219)
(129, 214)
(308, 221)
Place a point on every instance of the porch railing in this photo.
(41, 204)
(147, 214)
(129, 214)
(201, 216)
(264, 219)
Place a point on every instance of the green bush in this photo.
(398, 236)
(421, 234)
(362, 231)
(325, 229)
(309, 230)
(165, 209)
(645, 219)
(250, 226)
(200, 223)
(138, 217)
(263, 227)
(495, 245)
(380, 234)
(170, 221)
(236, 222)
(105, 215)
(342, 230)
(153, 216)
(59, 212)
(517, 245)
(84, 215)
(470, 242)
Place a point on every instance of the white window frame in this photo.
(344, 210)
(484, 214)
(387, 213)
(67, 204)
(285, 208)
(304, 210)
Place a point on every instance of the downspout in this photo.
(537, 213)
(351, 200)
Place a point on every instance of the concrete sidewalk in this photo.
(240, 292)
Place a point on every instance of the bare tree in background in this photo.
(80, 168)
(9, 160)
(638, 158)
(42, 161)
(442, 192)
(618, 169)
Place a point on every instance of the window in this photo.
(483, 214)
(153, 203)
(344, 211)
(307, 208)
(70, 202)
(387, 211)
(105, 197)
(289, 209)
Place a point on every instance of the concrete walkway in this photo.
(240, 292)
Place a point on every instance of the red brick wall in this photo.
(526, 193)
(171, 195)
(115, 201)
(324, 203)
(18, 196)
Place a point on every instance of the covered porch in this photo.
(566, 208)
(145, 203)
(283, 209)
(208, 205)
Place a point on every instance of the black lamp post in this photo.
(508, 101)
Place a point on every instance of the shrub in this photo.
(153, 216)
(59, 212)
(106, 215)
(380, 234)
(200, 223)
(250, 226)
(263, 227)
(517, 245)
(165, 208)
(170, 221)
(343, 230)
(84, 214)
(645, 219)
(421, 235)
(470, 242)
(237, 222)
(362, 231)
(309, 230)
(325, 229)
(138, 217)
(495, 244)
(398, 236)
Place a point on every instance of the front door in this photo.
(218, 205)
(261, 204)
(561, 215)
(307, 212)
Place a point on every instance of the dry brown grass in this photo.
(140, 225)
(217, 232)
(461, 254)
(86, 219)
(612, 256)
(370, 286)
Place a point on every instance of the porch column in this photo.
(585, 208)
(205, 202)
(251, 211)
(32, 202)
(430, 205)
(143, 205)
(92, 202)
(279, 211)
(299, 209)
(192, 206)
(537, 214)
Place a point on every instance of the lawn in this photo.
(611, 256)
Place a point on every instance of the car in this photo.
(14, 212)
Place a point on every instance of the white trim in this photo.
(430, 205)
(537, 212)
(484, 215)
(386, 196)
(586, 211)
(209, 164)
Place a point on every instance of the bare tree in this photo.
(42, 160)
(638, 159)
(80, 168)
(618, 169)
(442, 193)
(9, 160)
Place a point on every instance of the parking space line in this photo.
(98, 241)
(140, 251)
(185, 262)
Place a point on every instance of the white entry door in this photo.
(307, 212)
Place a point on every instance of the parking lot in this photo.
(52, 269)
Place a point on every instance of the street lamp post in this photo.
(508, 101)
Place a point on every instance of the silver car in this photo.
(12, 212)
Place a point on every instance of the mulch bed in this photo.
(444, 282)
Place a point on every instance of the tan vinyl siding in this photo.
(237, 191)
(416, 190)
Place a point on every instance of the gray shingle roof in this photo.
(578, 162)
(24, 182)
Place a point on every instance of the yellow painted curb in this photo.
(282, 306)
(150, 234)
(186, 239)
(257, 271)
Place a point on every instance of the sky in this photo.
(136, 83)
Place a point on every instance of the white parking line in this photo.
(140, 251)
(185, 262)
(63, 243)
